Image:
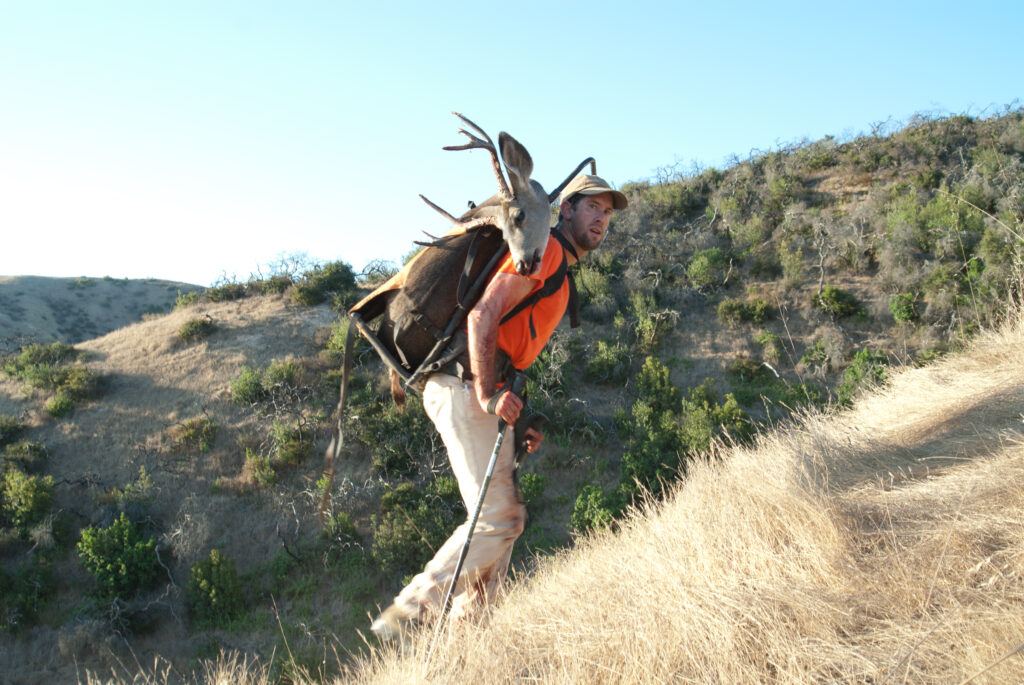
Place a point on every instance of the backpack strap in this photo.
(552, 284)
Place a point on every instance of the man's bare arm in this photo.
(502, 293)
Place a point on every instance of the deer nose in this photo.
(525, 268)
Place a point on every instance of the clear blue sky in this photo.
(186, 140)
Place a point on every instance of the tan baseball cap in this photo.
(592, 185)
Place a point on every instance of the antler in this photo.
(484, 144)
(440, 211)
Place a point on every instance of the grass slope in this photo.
(41, 309)
(879, 545)
(198, 499)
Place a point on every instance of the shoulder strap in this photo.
(552, 284)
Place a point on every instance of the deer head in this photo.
(520, 209)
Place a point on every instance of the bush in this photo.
(903, 307)
(413, 522)
(36, 360)
(654, 386)
(531, 487)
(321, 282)
(838, 302)
(23, 593)
(771, 346)
(120, 557)
(290, 447)
(26, 499)
(275, 285)
(281, 373)
(10, 428)
(214, 591)
(186, 299)
(732, 311)
(651, 323)
(399, 440)
(197, 433)
(28, 455)
(259, 468)
(60, 405)
(225, 291)
(247, 388)
(706, 268)
(753, 383)
(867, 369)
(593, 509)
(196, 329)
(609, 363)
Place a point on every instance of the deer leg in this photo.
(397, 390)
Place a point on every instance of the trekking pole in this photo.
(518, 381)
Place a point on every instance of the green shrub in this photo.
(654, 386)
(259, 468)
(771, 346)
(413, 522)
(706, 268)
(275, 285)
(594, 509)
(399, 440)
(838, 302)
(531, 487)
(868, 368)
(214, 590)
(28, 455)
(609, 363)
(281, 372)
(24, 592)
(733, 311)
(120, 557)
(791, 261)
(226, 291)
(290, 446)
(79, 383)
(903, 307)
(247, 388)
(753, 383)
(186, 299)
(10, 428)
(651, 323)
(704, 418)
(321, 282)
(339, 529)
(137, 492)
(196, 329)
(26, 499)
(60, 405)
(599, 303)
(196, 434)
(31, 358)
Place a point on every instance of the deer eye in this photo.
(519, 217)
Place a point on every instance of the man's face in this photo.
(588, 220)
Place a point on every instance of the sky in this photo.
(202, 141)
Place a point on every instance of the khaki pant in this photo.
(469, 434)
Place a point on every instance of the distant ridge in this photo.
(70, 310)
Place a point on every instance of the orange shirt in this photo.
(514, 337)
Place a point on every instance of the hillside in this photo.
(880, 544)
(71, 310)
(723, 303)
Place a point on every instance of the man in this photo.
(466, 412)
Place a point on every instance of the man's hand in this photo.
(534, 438)
(508, 406)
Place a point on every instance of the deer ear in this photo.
(517, 160)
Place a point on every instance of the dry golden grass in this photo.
(882, 545)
